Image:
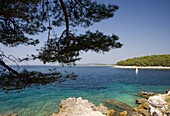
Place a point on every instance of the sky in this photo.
(143, 27)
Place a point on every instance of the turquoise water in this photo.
(96, 84)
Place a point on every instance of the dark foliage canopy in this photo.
(21, 18)
(10, 81)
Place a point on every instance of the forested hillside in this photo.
(153, 60)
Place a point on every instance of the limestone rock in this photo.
(105, 110)
(77, 107)
(142, 109)
(119, 106)
(8, 114)
(124, 113)
(143, 112)
(145, 105)
(111, 112)
(102, 109)
(146, 94)
(168, 91)
(140, 100)
(160, 104)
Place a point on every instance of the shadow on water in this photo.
(10, 81)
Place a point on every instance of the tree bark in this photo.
(9, 68)
(66, 16)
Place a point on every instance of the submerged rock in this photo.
(146, 94)
(140, 100)
(8, 114)
(119, 107)
(79, 107)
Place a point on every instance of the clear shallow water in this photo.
(96, 84)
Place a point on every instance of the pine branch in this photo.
(66, 16)
(9, 68)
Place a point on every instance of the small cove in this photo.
(95, 84)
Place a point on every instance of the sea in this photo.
(94, 83)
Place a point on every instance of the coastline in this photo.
(142, 67)
(148, 103)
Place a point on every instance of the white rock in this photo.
(77, 107)
(168, 93)
(157, 105)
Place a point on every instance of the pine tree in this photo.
(21, 18)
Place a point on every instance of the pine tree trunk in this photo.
(9, 68)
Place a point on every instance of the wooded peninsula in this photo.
(153, 60)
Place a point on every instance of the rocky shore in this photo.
(149, 104)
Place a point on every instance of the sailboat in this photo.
(136, 71)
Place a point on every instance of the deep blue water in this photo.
(95, 84)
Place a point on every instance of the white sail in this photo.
(136, 71)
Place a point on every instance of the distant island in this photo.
(147, 61)
(94, 64)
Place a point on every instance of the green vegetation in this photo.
(153, 60)
(22, 20)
